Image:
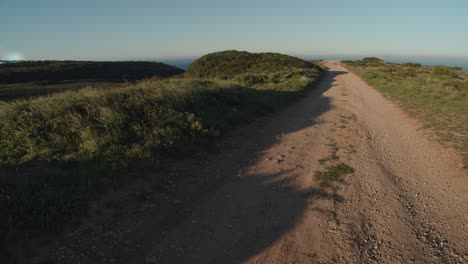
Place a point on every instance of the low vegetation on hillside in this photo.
(56, 151)
(250, 68)
(10, 92)
(437, 95)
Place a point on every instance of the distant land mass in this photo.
(27, 79)
(430, 61)
(59, 71)
(184, 63)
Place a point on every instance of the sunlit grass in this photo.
(436, 95)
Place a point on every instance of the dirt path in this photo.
(259, 202)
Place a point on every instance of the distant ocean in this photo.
(184, 63)
(179, 63)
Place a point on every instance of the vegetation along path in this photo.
(342, 176)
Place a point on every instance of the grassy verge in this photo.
(58, 152)
(436, 95)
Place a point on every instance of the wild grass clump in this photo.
(411, 64)
(58, 152)
(460, 86)
(332, 174)
(444, 71)
(364, 61)
(437, 95)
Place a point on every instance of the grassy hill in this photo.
(58, 152)
(436, 95)
(237, 64)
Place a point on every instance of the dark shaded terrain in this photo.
(66, 71)
(27, 79)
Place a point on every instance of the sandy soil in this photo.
(257, 200)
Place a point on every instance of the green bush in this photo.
(461, 86)
(372, 60)
(413, 65)
(407, 72)
(444, 71)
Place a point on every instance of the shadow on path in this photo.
(213, 215)
(245, 215)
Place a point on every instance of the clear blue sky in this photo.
(116, 30)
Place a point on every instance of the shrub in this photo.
(372, 60)
(413, 65)
(406, 73)
(444, 71)
(457, 85)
